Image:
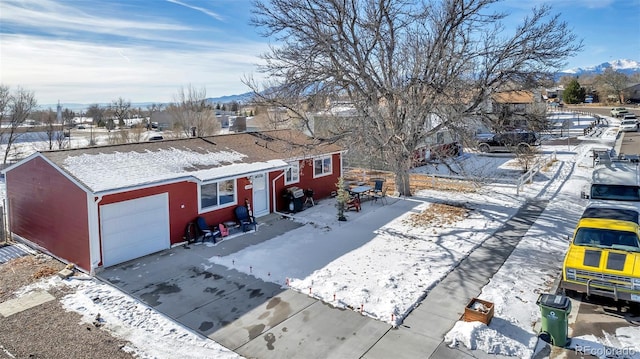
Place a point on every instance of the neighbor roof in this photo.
(513, 97)
(108, 168)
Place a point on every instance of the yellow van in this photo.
(604, 254)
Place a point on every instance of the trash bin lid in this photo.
(554, 301)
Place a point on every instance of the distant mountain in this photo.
(77, 107)
(242, 98)
(627, 67)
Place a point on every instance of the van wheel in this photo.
(523, 147)
(484, 148)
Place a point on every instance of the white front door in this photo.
(260, 195)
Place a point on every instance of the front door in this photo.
(260, 195)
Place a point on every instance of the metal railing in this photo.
(528, 176)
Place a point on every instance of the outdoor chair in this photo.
(353, 203)
(206, 230)
(245, 219)
(191, 232)
(377, 188)
(224, 231)
(382, 196)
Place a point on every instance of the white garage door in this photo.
(134, 228)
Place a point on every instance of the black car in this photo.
(507, 141)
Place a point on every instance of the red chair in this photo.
(354, 203)
(224, 231)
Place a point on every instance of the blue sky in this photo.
(88, 51)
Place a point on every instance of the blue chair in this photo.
(378, 186)
(245, 219)
(206, 231)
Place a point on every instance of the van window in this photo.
(615, 192)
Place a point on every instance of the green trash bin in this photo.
(554, 310)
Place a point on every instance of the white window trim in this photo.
(297, 179)
(323, 174)
(215, 208)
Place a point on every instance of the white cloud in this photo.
(201, 9)
(56, 18)
(82, 72)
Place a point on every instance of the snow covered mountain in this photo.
(625, 66)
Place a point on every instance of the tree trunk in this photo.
(403, 164)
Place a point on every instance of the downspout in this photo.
(94, 231)
(273, 194)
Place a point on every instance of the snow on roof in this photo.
(107, 171)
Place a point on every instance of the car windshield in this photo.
(615, 192)
(629, 122)
(607, 238)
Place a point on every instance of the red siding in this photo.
(49, 210)
(321, 186)
(183, 204)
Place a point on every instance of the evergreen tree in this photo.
(573, 93)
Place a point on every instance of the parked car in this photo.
(507, 142)
(601, 255)
(628, 125)
(619, 111)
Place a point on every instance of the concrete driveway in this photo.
(252, 317)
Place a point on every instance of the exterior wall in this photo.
(183, 204)
(49, 210)
(321, 186)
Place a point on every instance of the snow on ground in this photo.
(376, 263)
(150, 333)
(379, 263)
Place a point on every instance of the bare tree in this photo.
(51, 127)
(191, 111)
(14, 110)
(121, 109)
(408, 68)
(613, 83)
(96, 113)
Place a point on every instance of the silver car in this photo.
(628, 126)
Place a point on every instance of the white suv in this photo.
(628, 125)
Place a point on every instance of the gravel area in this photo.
(48, 330)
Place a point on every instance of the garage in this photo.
(134, 228)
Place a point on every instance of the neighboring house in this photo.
(100, 206)
(515, 109)
(632, 94)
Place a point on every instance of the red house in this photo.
(100, 206)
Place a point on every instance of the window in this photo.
(322, 166)
(217, 194)
(292, 173)
(615, 192)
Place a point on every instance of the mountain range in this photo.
(627, 67)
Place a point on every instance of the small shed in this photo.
(100, 206)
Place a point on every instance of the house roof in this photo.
(513, 97)
(115, 167)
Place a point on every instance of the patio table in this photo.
(359, 190)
